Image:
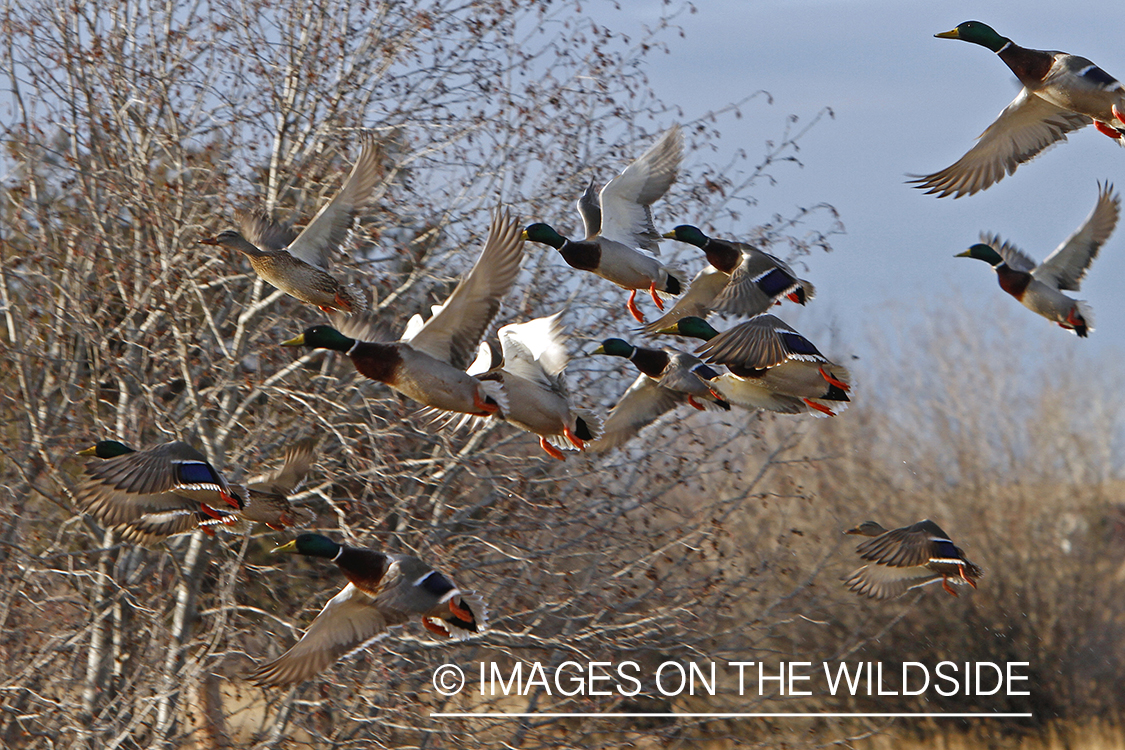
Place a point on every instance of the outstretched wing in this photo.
(452, 335)
(1065, 268)
(882, 582)
(259, 229)
(625, 200)
(642, 404)
(1026, 126)
(907, 547)
(698, 302)
(349, 621)
(756, 283)
(1012, 255)
(590, 209)
(535, 350)
(329, 228)
(763, 342)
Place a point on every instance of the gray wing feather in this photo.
(348, 621)
(640, 406)
(261, 230)
(756, 343)
(590, 209)
(1067, 265)
(626, 199)
(1012, 255)
(742, 295)
(1026, 126)
(329, 228)
(452, 335)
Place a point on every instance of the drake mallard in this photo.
(771, 366)
(668, 378)
(739, 280)
(619, 221)
(1061, 93)
(299, 264)
(907, 558)
(428, 363)
(531, 371)
(384, 590)
(264, 500)
(1038, 287)
(153, 493)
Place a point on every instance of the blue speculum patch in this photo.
(798, 344)
(197, 473)
(1094, 73)
(775, 282)
(436, 584)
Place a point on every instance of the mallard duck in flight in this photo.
(619, 221)
(1061, 93)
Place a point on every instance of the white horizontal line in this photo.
(906, 715)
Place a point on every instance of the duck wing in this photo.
(298, 459)
(260, 230)
(452, 335)
(535, 350)
(1026, 126)
(699, 300)
(625, 201)
(756, 282)
(909, 546)
(349, 621)
(590, 209)
(329, 228)
(640, 406)
(763, 342)
(168, 477)
(1015, 258)
(882, 582)
(1067, 265)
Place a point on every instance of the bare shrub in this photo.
(137, 130)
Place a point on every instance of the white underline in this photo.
(905, 715)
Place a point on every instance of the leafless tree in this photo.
(135, 130)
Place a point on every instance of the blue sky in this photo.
(904, 102)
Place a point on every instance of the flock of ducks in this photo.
(1061, 93)
(445, 364)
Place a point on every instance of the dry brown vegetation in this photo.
(139, 128)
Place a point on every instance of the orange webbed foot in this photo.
(655, 297)
(484, 409)
(207, 509)
(464, 614)
(551, 450)
(576, 441)
(833, 381)
(694, 404)
(343, 303)
(819, 407)
(633, 309)
(1109, 130)
(429, 624)
(966, 579)
(945, 585)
